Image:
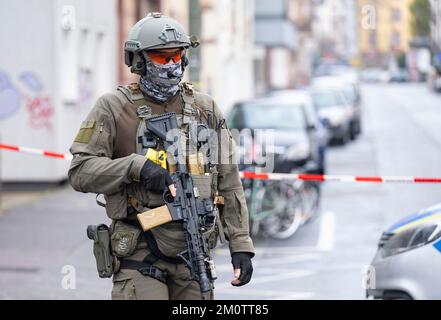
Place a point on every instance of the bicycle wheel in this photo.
(286, 218)
(311, 201)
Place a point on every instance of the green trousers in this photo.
(132, 285)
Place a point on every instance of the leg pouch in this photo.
(124, 239)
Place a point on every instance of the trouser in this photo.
(132, 285)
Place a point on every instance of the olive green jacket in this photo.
(105, 161)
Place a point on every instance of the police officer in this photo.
(108, 160)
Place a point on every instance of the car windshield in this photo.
(268, 116)
(327, 99)
(350, 94)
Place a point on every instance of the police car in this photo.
(408, 260)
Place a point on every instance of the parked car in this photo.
(312, 117)
(296, 141)
(399, 75)
(434, 79)
(352, 95)
(335, 112)
(375, 76)
(342, 71)
(408, 259)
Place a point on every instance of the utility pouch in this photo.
(101, 249)
(124, 239)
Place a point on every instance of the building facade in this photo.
(383, 30)
(63, 57)
(435, 24)
(276, 43)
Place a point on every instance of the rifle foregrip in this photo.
(154, 217)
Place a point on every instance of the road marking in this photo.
(269, 294)
(267, 263)
(327, 228)
(272, 251)
(295, 296)
(274, 277)
(286, 259)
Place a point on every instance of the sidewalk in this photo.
(44, 237)
(12, 199)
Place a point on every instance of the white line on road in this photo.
(269, 294)
(275, 277)
(327, 229)
(268, 263)
(295, 296)
(272, 251)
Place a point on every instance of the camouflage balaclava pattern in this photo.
(161, 82)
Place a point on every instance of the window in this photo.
(268, 116)
(396, 39)
(373, 39)
(396, 15)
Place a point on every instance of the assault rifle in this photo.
(196, 214)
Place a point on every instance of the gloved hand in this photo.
(155, 178)
(243, 268)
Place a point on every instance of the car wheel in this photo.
(353, 132)
(345, 138)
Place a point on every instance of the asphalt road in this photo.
(44, 241)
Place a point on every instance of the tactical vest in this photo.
(141, 200)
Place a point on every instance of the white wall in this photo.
(55, 62)
(280, 68)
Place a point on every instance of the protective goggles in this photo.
(163, 57)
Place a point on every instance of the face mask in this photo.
(161, 82)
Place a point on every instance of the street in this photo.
(325, 259)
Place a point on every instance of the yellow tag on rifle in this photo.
(158, 157)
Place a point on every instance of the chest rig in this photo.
(204, 174)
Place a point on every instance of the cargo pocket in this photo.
(231, 210)
(124, 239)
(241, 206)
(124, 289)
(204, 185)
(116, 205)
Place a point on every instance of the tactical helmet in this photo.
(155, 31)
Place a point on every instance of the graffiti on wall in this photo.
(38, 105)
(9, 96)
(29, 91)
(85, 87)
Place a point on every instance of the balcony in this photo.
(273, 25)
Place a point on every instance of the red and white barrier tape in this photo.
(262, 176)
(36, 151)
(322, 178)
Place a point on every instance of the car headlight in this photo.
(393, 244)
(334, 118)
(298, 151)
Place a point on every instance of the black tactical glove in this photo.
(154, 177)
(242, 261)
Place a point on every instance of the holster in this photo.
(105, 261)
